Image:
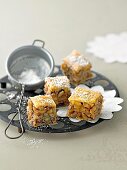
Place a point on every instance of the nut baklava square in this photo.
(76, 67)
(85, 104)
(41, 110)
(59, 88)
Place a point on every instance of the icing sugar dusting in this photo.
(42, 99)
(59, 81)
(80, 60)
(11, 94)
(33, 143)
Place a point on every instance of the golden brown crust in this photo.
(84, 95)
(75, 53)
(42, 100)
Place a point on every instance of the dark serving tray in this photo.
(64, 124)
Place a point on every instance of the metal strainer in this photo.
(30, 65)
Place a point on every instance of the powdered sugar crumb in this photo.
(33, 142)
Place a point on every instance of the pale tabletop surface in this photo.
(65, 25)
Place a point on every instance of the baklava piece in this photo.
(59, 88)
(85, 104)
(41, 110)
(77, 68)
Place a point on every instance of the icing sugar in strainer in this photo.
(29, 69)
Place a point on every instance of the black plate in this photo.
(64, 124)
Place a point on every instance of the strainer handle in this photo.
(19, 113)
(43, 43)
